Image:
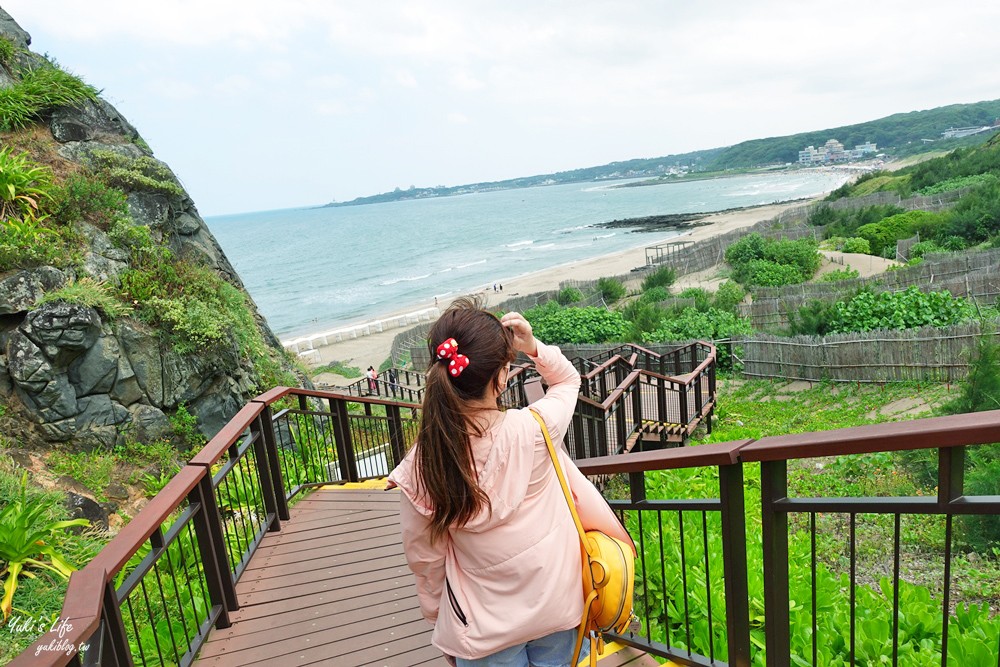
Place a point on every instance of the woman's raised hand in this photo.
(524, 339)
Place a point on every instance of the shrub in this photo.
(84, 197)
(712, 324)
(728, 296)
(801, 254)
(134, 173)
(910, 308)
(813, 319)
(576, 325)
(839, 274)
(40, 90)
(748, 248)
(857, 244)
(26, 243)
(957, 183)
(642, 316)
(762, 273)
(767, 262)
(569, 295)
(185, 427)
(923, 248)
(661, 277)
(655, 295)
(702, 297)
(882, 236)
(611, 289)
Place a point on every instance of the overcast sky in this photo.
(265, 105)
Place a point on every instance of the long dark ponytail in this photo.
(445, 469)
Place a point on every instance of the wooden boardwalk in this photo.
(332, 588)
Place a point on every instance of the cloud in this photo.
(458, 118)
(173, 89)
(405, 78)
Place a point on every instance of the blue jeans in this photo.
(555, 650)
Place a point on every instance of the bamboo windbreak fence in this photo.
(926, 354)
(974, 275)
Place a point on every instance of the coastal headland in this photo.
(373, 348)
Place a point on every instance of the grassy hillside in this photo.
(898, 134)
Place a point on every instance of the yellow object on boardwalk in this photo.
(610, 649)
(373, 484)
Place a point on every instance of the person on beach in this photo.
(484, 522)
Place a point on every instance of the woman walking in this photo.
(485, 525)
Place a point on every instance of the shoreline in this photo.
(373, 347)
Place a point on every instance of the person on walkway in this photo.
(371, 375)
(484, 522)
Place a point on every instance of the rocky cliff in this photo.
(117, 304)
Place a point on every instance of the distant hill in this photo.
(898, 135)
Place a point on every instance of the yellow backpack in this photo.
(608, 575)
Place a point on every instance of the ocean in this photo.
(316, 269)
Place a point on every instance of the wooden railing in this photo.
(716, 580)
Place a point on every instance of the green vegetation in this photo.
(840, 274)
(89, 292)
(611, 289)
(339, 368)
(958, 183)
(661, 277)
(868, 311)
(752, 410)
(29, 540)
(882, 235)
(7, 52)
(569, 295)
(757, 261)
(576, 325)
(83, 197)
(143, 174)
(910, 308)
(899, 134)
(40, 89)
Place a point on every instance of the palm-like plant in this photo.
(23, 184)
(24, 529)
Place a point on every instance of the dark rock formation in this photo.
(85, 380)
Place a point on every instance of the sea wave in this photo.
(405, 279)
(570, 230)
(518, 244)
(604, 236)
(465, 266)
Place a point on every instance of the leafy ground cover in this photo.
(758, 408)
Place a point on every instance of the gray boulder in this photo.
(21, 291)
(149, 424)
(62, 330)
(96, 371)
(101, 260)
(151, 209)
(42, 388)
(82, 507)
(92, 119)
(12, 31)
(6, 384)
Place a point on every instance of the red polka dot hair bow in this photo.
(448, 352)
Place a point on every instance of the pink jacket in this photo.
(512, 575)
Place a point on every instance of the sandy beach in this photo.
(372, 349)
